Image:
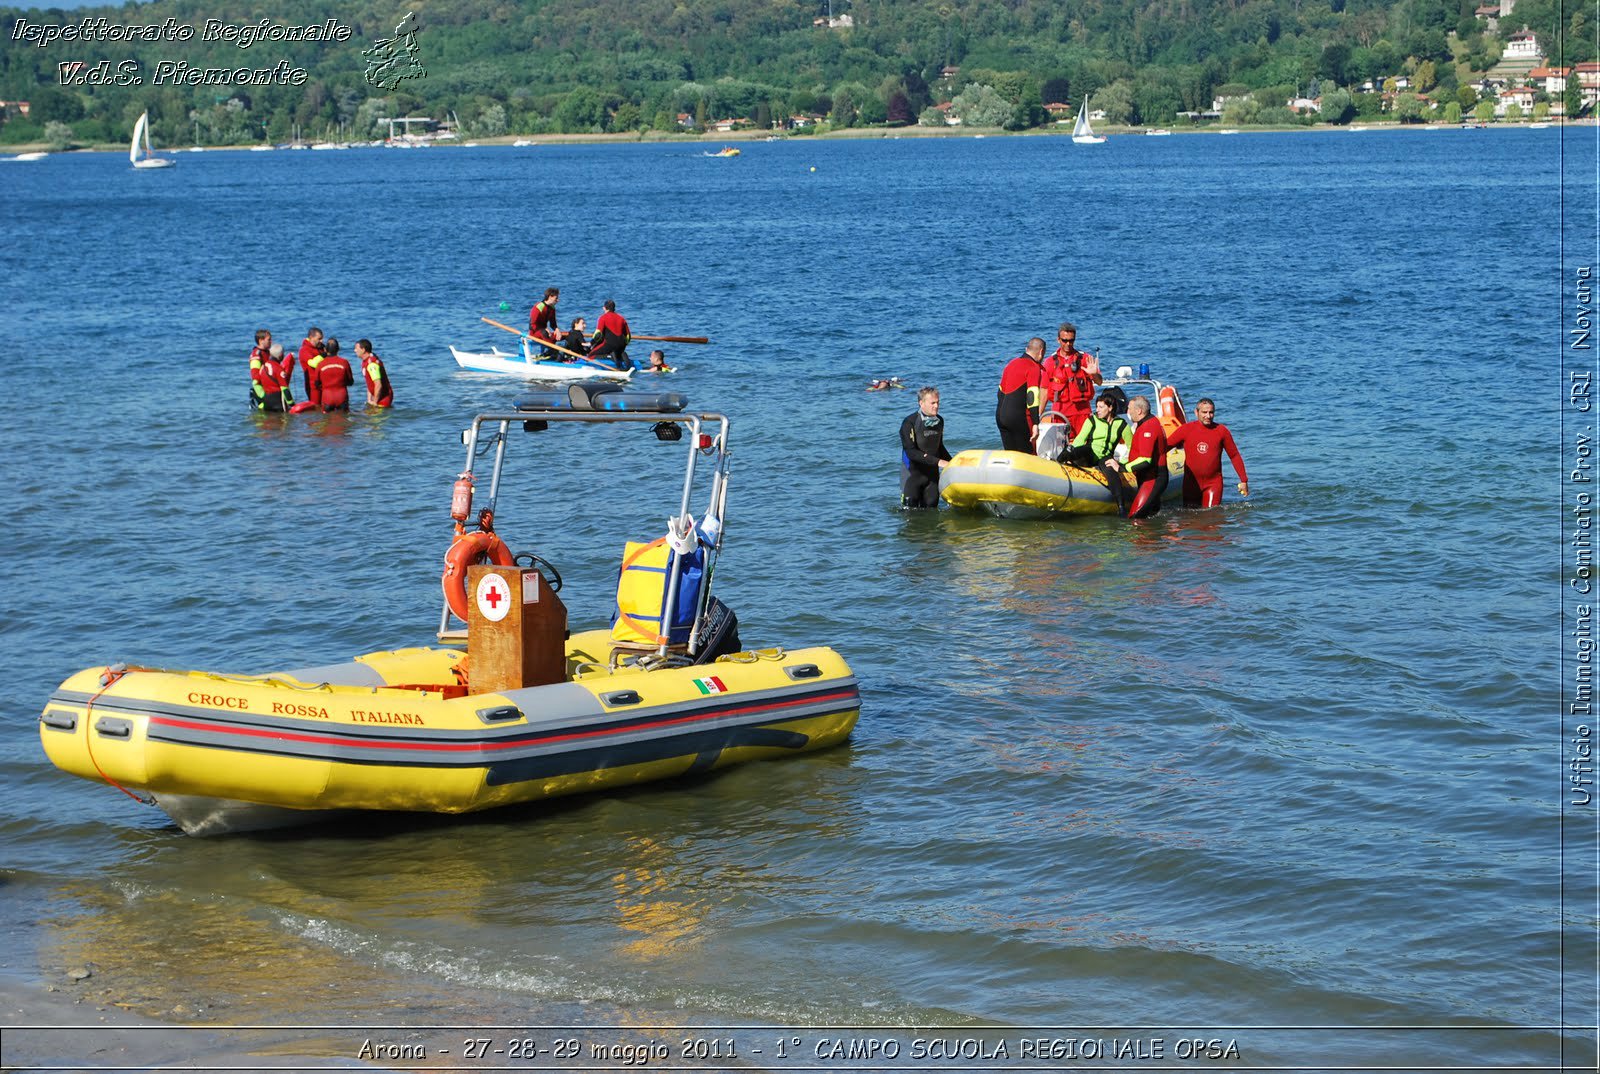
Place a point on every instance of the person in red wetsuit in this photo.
(334, 377)
(258, 355)
(274, 380)
(611, 337)
(1204, 441)
(379, 391)
(542, 320)
(1069, 378)
(310, 358)
(1147, 459)
(1016, 407)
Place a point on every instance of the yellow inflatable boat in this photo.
(1014, 484)
(514, 710)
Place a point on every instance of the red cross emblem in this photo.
(494, 597)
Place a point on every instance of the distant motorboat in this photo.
(1082, 132)
(1538, 126)
(1229, 130)
(1158, 132)
(28, 156)
(139, 155)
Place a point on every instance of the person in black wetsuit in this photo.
(922, 452)
(574, 341)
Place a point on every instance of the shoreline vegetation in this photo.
(695, 68)
(850, 134)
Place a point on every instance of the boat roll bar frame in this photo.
(495, 428)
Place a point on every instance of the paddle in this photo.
(552, 346)
(675, 339)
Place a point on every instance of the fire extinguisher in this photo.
(461, 497)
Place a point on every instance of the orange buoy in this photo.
(465, 550)
(1170, 405)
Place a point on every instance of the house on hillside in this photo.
(13, 108)
(1490, 14)
(1553, 80)
(1588, 76)
(1301, 106)
(950, 118)
(1061, 113)
(1523, 45)
(1522, 97)
(838, 22)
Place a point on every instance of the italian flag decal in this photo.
(712, 685)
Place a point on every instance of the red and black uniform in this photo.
(310, 356)
(258, 355)
(1147, 460)
(1202, 468)
(274, 383)
(542, 324)
(1067, 385)
(611, 337)
(921, 449)
(1016, 407)
(542, 320)
(377, 379)
(334, 377)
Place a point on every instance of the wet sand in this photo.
(63, 1030)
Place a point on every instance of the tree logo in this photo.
(392, 60)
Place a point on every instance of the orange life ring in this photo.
(1170, 406)
(465, 550)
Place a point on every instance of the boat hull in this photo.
(229, 753)
(499, 361)
(1013, 484)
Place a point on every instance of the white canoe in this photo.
(519, 365)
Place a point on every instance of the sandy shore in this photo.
(50, 1026)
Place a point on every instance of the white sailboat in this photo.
(139, 155)
(1082, 133)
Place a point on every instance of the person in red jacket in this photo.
(333, 378)
(1067, 383)
(274, 381)
(1204, 441)
(258, 355)
(611, 336)
(1147, 459)
(542, 320)
(310, 358)
(1016, 406)
(379, 391)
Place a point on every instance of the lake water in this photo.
(1293, 763)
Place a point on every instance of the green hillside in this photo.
(543, 66)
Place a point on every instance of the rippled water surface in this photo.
(1292, 762)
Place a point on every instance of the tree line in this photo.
(587, 66)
